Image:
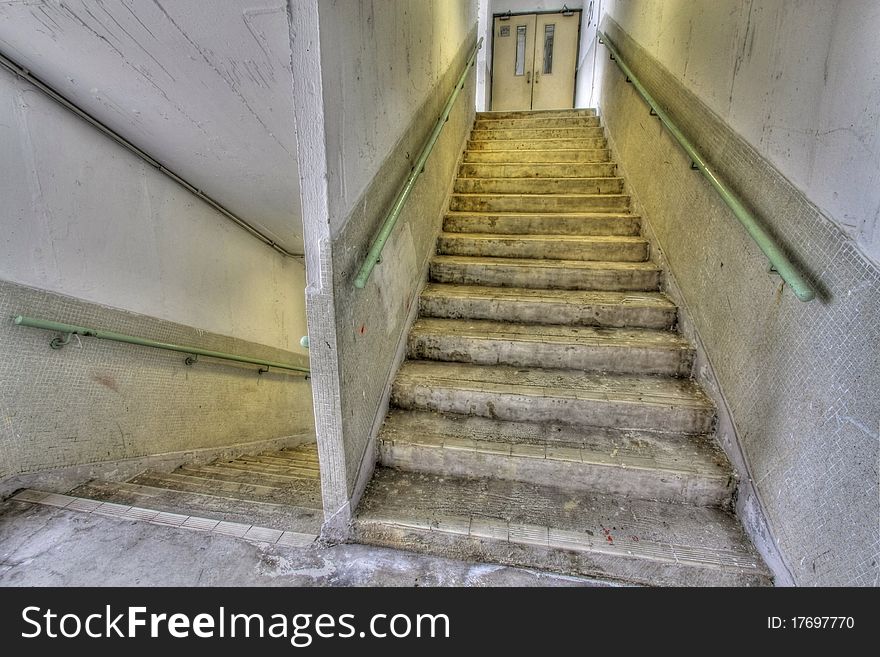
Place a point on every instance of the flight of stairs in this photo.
(278, 490)
(546, 415)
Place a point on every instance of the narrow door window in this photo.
(548, 48)
(520, 50)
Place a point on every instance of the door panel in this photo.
(534, 57)
(555, 61)
(513, 62)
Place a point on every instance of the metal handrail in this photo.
(25, 74)
(69, 330)
(374, 255)
(779, 262)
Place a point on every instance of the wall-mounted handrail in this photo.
(374, 255)
(69, 330)
(26, 75)
(779, 262)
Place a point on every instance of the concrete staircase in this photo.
(546, 416)
(278, 490)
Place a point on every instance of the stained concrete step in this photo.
(537, 122)
(583, 143)
(569, 155)
(536, 114)
(538, 170)
(599, 223)
(286, 516)
(642, 464)
(627, 351)
(619, 401)
(539, 203)
(545, 132)
(612, 185)
(545, 274)
(518, 523)
(569, 307)
(261, 470)
(551, 247)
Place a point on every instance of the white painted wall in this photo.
(84, 217)
(388, 55)
(798, 79)
(204, 87)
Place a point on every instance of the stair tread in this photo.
(642, 265)
(541, 215)
(287, 517)
(576, 297)
(555, 383)
(647, 450)
(512, 512)
(528, 237)
(531, 195)
(476, 329)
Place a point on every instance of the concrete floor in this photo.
(46, 546)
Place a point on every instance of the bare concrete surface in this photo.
(45, 546)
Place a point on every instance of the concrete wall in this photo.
(203, 87)
(799, 380)
(796, 79)
(387, 69)
(92, 235)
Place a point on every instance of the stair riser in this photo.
(666, 486)
(626, 360)
(541, 114)
(529, 312)
(523, 133)
(536, 144)
(557, 122)
(609, 280)
(539, 171)
(626, 226)
(571, 156)
(511, 247)
(515, 203)
(590, 564)
(515, 407)
(539, 186)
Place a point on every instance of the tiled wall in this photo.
(96, 400)
(801, 379)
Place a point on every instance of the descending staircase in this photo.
(546, 415)
(278, 490)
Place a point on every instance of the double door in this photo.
(534, 58)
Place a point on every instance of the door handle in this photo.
(537, 75)
(528, 77)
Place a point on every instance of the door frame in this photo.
(577, 54)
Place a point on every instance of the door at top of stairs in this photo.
(533, 60)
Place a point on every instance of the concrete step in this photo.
(618, 401)
(523, 524)
(546, 274)
(569, 155)
(642, 464)
(569, 307)
(552, 247)
(612, 185)
(584, 143)
(539, 203)
(536, 114)
(286, 517)
(545, 132)
(627, 351)
(260, 473)
(606, 223)
(538, 122)
(538, 170)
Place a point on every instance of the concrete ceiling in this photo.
(203, 87)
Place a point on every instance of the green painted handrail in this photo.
(374, 255)
(70, 329)
(779, 262)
